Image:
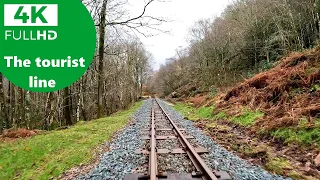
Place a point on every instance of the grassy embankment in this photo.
(50, 154)
(247, 118)
(289, 95)
(300, 135)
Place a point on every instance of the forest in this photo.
(249, 37)
(113, 82)
(240, 98)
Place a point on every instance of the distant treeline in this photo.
(122, 77)
(113, 82)
(247, 38)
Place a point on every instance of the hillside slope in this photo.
(286, 94)
(271, 119)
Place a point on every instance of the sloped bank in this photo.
(279, 108)
(288, 95)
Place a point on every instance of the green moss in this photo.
(215, 125)
(301, 136)
(313, 69)
(295, 175)
(277, 165)
(193, 113)
(220, 115)
(204, 112)
(48, 155)
(281, 165)
(247, 118)
(185, 110)
(315, 87)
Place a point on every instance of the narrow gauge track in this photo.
(200, 169)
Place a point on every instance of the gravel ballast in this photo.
(175, 163)
(122, 159)
(218, 157)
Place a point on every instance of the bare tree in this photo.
(113, 82)
(3, 109)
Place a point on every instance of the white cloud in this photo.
(183, 14)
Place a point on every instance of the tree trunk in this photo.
(9, 109)
(27, 109)
(22, 115)
(11, 105)
(48, 113)
(3, 109)
(79, 101)
(101, 56)
(317, 8)
(67, 107)
(83, 82)
(15, 113)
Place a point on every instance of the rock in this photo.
(309, 155)
(307, 167)
(174, 95)
(309, 170)
(317, 160)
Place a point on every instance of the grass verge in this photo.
(278, 165)
(48, 155)
(247, 118)
(303, 134)
(263, 154)
(193, 113)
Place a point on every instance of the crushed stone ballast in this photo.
(123, 158)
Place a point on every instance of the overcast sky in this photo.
(183, 14)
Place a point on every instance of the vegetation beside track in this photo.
(245, 118)
(223, 128)
(48, 155)
(193, 113)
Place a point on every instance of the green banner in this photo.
(45, 45)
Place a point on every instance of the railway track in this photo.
(161, 129)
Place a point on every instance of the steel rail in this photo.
(153, 155)
(193, 155)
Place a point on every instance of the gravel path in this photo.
(218, 157)
(168, 144)
(122, 159)
(175, 163)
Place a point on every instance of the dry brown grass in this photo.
(199, 100)
(283, 93)
(19, 133)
